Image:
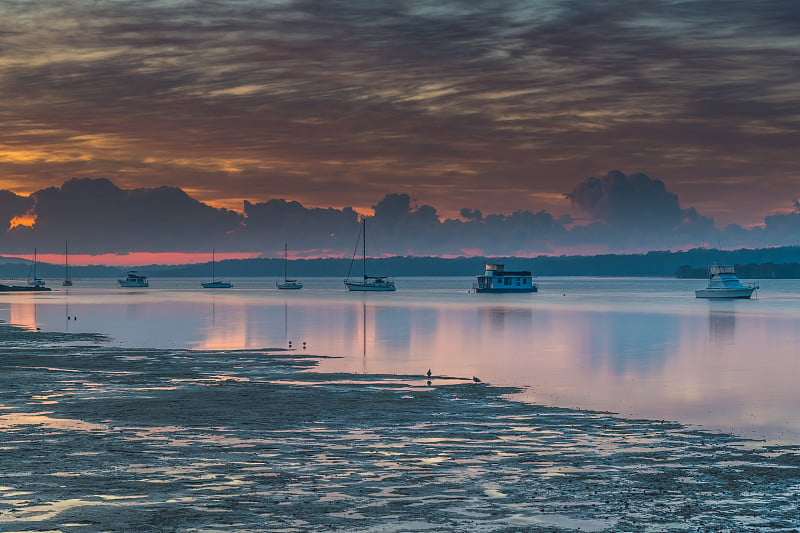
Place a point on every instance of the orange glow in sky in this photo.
(22, 220)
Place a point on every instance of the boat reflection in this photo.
(722, 323)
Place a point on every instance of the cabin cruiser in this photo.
(134, 280)
(723, 283)
(496, 278)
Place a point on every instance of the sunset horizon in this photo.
(418, 265)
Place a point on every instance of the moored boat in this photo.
(496, 278)
(33, 279)
(215, 283)
(723, 283)
(366, 283)
(287, 283)
(134, 280)
(23, 288)
(67, 279)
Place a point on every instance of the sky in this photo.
(467, 109)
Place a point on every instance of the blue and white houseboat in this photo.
(496, 279)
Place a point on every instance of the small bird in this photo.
(429, 383)
(429, 372)
(475, 379)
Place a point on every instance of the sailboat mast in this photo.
(34, 263)
(364, 224)
(213, 251)
(66, 260)
(285, 260)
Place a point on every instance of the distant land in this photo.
(778, 262)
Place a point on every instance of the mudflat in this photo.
(99, 438)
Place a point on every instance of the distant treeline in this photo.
(782, 262)
(748, 271)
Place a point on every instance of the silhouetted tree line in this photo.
(748, 271)
(782, 262)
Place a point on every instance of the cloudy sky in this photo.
(467, 108)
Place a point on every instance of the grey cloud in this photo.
(99, 217)
(357, 98)
(635, 202)
(631, 212)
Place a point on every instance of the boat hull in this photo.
(727, 294)
(359, 286)
(526, 290)
(23, 288)
(130, 285)
(217, 285)
(289, 285)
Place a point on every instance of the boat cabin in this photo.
(496, 278)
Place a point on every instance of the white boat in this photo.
(287, 283)
(134, 280)
(67, 279)
(215, 283)
(496, 278)
(366, 283)
(33, 279)
(723, 283)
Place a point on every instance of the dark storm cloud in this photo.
(268, 225)
(12, 205)
(627, 212)
(454, 103)
(100, 217)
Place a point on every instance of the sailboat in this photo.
(287, 283)
(216, 283)
(33, 280)
(366, 283)
(67, 280)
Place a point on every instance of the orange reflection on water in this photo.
(22, 314)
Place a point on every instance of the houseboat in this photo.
(134, 280)
(496, 279)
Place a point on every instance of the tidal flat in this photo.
(95, 437)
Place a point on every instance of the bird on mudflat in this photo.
(475, 379)
(429, 372)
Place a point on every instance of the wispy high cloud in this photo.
(496, 105)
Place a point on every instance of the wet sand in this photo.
(98, 438)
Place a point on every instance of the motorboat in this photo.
(287, 283)
(496, 278)
(366, 283)
(134, 280)
(215, 283)
(723, 283)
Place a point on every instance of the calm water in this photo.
(639, 347)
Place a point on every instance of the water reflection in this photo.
(23, 313)
(722, 324)
(627, 351)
